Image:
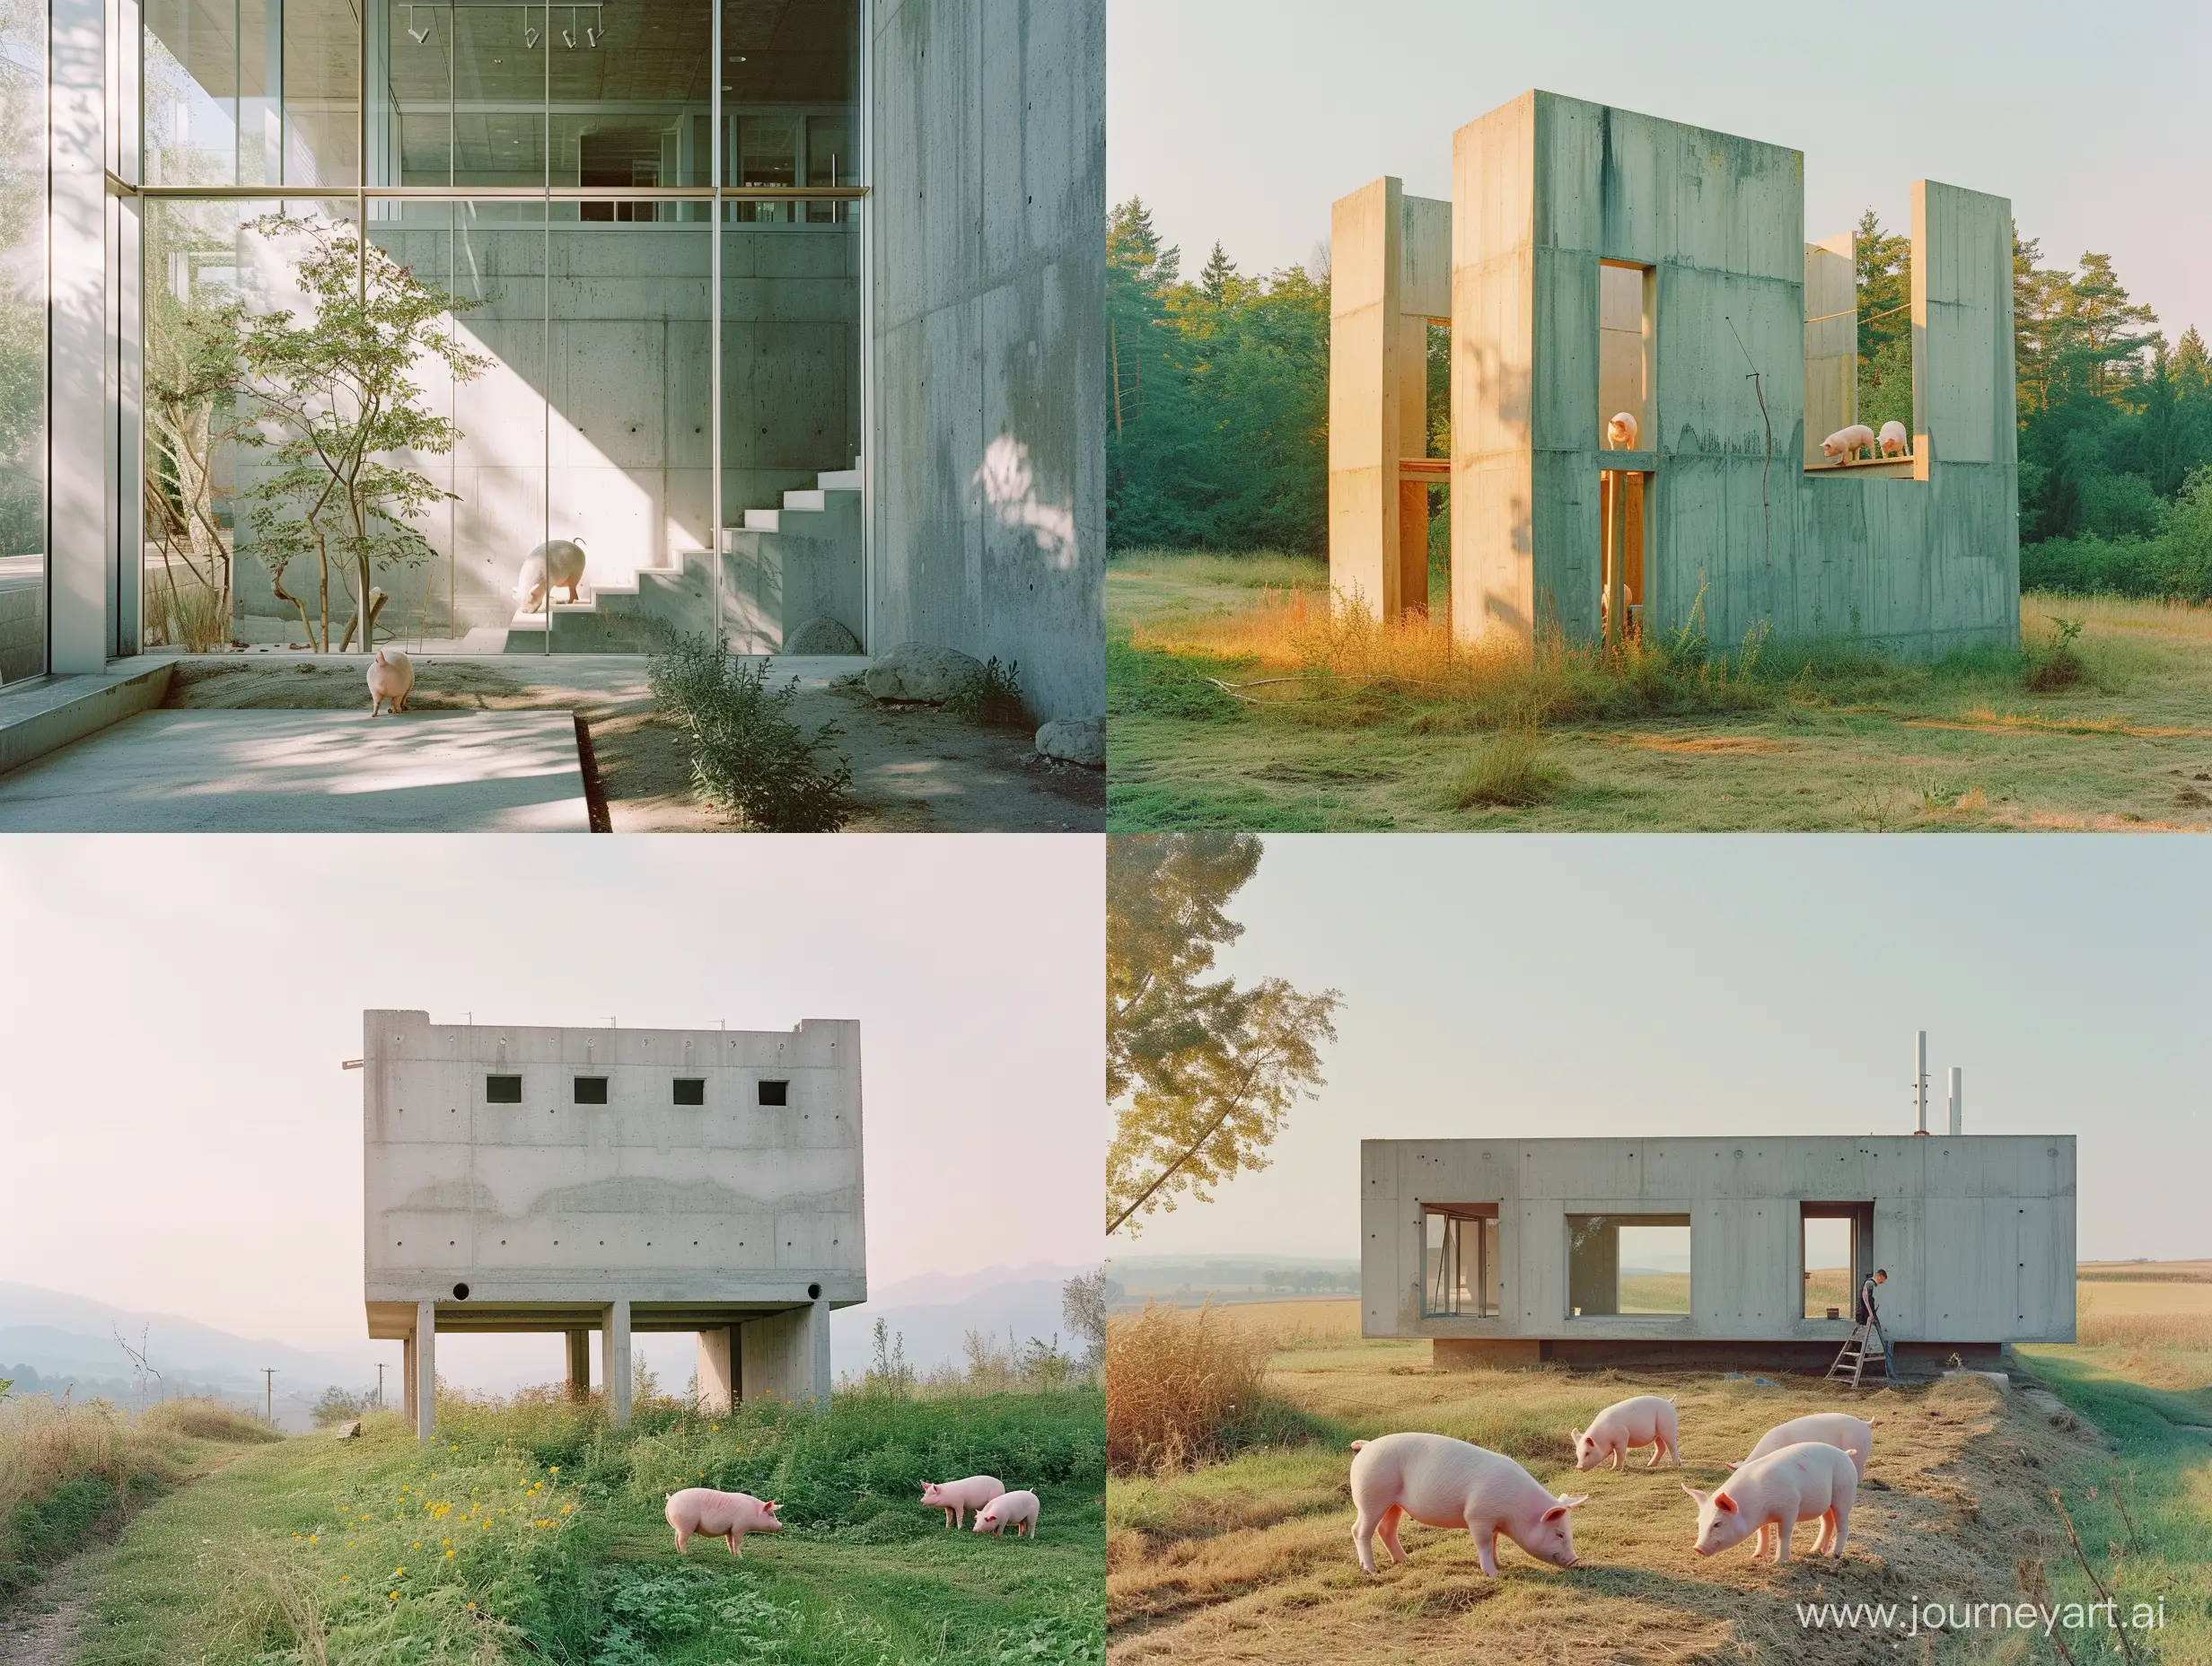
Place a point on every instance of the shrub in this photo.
(210, 1420)
(1510, 773)
(2055, 664)
(746, 755)
(1178, 1387)
(993, 697)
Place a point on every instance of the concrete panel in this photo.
(1365, 262)
(1831, 341)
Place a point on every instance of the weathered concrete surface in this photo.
(307, 771)
(1976, 1232)
(57, 711)
(986, 453)
(549, 1211)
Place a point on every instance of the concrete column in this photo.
(406, 1378)
(579, 1364)
(425, 1376)
(717, 1369)
(615, 1357)
(77, 461)
(818, 1345)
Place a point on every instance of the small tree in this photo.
(338, 1406)
(1082, 1304)
(334, 392)
(192, 414)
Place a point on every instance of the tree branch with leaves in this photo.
(1202, 1072)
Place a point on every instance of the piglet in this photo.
(1839, 1429)
(710, 1514)
(1621, 431)
(392, 677)
(1894, 442)
(956, 1498)
(1016, 1510)
(1775, 1493)
(1848, 441)
(1626, 1426)
(1441, 1482)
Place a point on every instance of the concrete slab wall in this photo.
(1977, 1232)
(986, 459)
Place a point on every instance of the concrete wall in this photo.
(1977, 1232)
(1548, 188)
(988, 456)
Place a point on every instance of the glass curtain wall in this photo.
(543, 180)
(22, 338)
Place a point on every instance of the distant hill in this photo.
(934, 1313)
(1132, 1279)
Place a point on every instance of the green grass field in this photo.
(531, 1532)
(1314, 732)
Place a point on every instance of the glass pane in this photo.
(1492, 1289)
(190, 67)
(319, 80)
(23, 341)
(631, 102)
(415, 146)
(499, 57)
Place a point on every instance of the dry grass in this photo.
(1177, 1385)
(1513, 771)
(209, 1420)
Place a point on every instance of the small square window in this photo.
(690, 1089)
(775, 1092)
(503, 1089)
(591, 1090)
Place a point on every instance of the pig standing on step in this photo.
(1624, 1428)
(1893, 440)
(956, 1498)
(1776, 1492)
(710, 1514)
(1015, 1510)
(1848, 441)
(1441, 1482)
(1839, 1429)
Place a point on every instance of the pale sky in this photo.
(1597, 985)
(1245, 119)
(176, 1134)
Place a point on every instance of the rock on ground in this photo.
(821, 634)
(916, 671)
(1074, 740)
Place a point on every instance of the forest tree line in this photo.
(1217, 437)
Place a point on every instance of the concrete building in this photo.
(614, 1180)
(1600, 261)
(1613, 1251)
(794, 312)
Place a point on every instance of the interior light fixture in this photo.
(419, 36)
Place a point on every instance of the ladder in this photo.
(1866, 1341)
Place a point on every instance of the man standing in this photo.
(1866, 1314)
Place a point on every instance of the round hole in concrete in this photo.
(813, 1293)
(461, 1292)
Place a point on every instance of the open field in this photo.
(1250, 1558)
(531, 1532)
(1322, 727)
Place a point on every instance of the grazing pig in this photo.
(710, 1514)
(956, 1498)
(1776, 1492)
(1894, 442)
(392, 677)
(1839, 1429)
(1848, 441)
(1015, 1510)
(1625, 1426)
(1621, 431)
(554, 566)
(1441, 1482)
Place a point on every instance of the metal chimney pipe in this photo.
(1919, 1080)
(1958, 1101)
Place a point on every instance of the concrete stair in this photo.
(780, 567)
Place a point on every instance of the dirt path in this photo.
(43, 1629)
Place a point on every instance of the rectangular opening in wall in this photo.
(775, 1092)
(503, 1089)
(1836, 1248)
(1626, 358)
(690, 1089)
(591, 1090)
(1460, 1245)
(1628, 1265)
(1858, 353)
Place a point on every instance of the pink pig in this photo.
(1623, 1427)
(1893, 440)
(1839, 1429)
(1848, 441)
(1441, 1482)
(956, 1498)
(1016, 1510)
(1776, 1492)
(710, 1514)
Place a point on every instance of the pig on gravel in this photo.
(1015, 1510)
(392, 677)
(1621, 431)
(1441, 1482)
(1848, 441)
(1839, 1429)
(1893, 440)
(709, 1514)
(1771, 1494)
(956, 1498)
(1624, 1428)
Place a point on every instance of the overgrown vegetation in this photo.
(531, 1530)
(1511, 772)
(1182, 1388)
(993, 697)
(68, 1472)
(748, 757)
